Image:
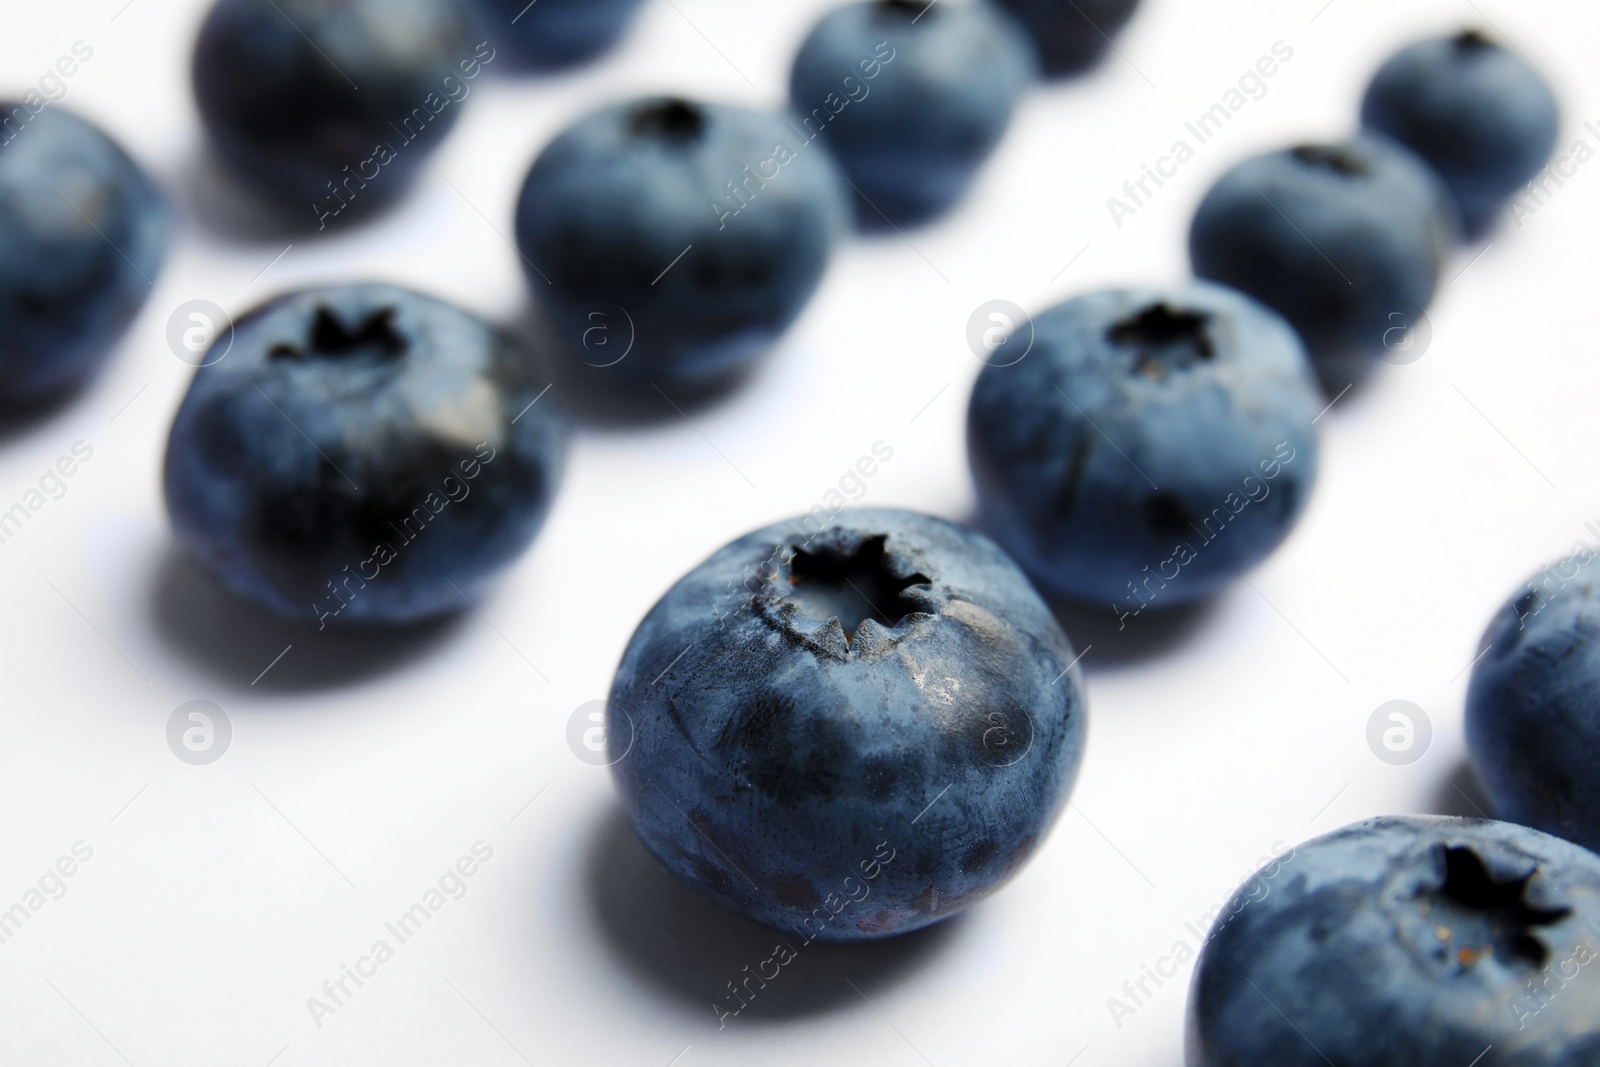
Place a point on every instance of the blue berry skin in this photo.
(635, 208)
(1346, 241)
(1478, 113)
(554, 34)
(301, 97)
(1152, 445)
(1533, 707)
(350, 418)
(910, 98)
(1406, 942)
(83, 232)
(789, 716)
(1070, 36)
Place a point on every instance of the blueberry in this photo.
(553, 34)
(1533, 708)
(910, 97)
(1070, 36)
(361, 454)
(1150, 447)
(1346, 241)
(83, 231)
(702, 228)
(331, 103)
(849, 726)
(1480, 115)
(1406, 942)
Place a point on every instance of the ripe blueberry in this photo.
(847, 729)
(362, 454)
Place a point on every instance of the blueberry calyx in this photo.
(1504, 917)
(331, 338)
(847, 595)
(1166, 339)
(1470, 41)
(671, 119)
(903, 9)
(1334, 158)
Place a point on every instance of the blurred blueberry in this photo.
(332, 103)
(1533, 708)
(828, 692)
(1406, 942)
(1346, 241)
(554, 34)
(83, 231)
(911, 97)
(1479, 114)
(1070, 36)
(360, 455)
(1152, 446)
(706, 227)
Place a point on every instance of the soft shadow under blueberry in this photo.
(1461, 794)
(234, 641)
(599, 396)
(1105, 639)
(691, 948)
(227, 207)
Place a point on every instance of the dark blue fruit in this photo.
(1482, 117)
(697, 232)
(1533, 708)
(910, 98)
(361, 454)
(553, 34)
(332, 103)
(1346, 241)
(847, 728)
(1150, 447)
(1407, 942)
(1070, 36)
(83, 232)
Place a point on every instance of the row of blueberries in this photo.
(368, 454)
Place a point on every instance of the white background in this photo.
(220, 898)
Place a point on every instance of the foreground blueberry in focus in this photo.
(701, 229)
(1407, 942)
(1478, 113)
(361, 454)
(1070, 36)
(1533, 708)
(332, 103)
(910, 98)
(553, 34)
(847, 728)
(1150, 447)
(1346, 241)
(83, 232)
